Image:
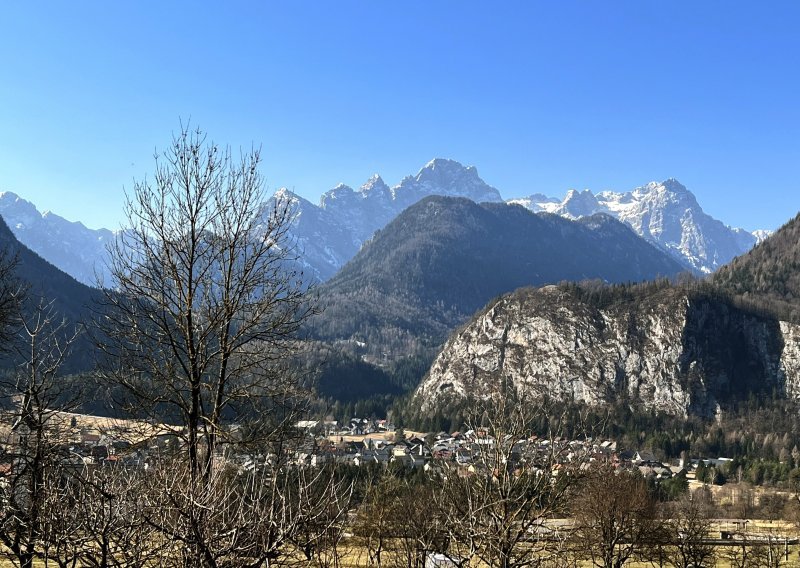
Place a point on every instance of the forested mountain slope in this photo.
(444, 258)
(769, 275)
(43, 281)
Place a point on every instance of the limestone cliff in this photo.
(659, 347)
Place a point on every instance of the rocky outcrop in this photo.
(663, 349)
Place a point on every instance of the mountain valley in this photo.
(402, 267)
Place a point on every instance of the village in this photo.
(375, 441)
(93, 442)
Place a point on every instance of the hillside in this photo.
(660, 347)
(70, 246)
(769, 275)
(71, 299)
(686, 349)
(444, 258)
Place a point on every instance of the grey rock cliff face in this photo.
(320, 243)
(673, 351)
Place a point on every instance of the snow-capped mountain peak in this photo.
(580, 204)
(69, 245)
(341, 191)
(362, 212)
(445, 177)
(328, 235)
(762, 234)
(446, 172)
(375, 185)
(665, 213)
(284, 193)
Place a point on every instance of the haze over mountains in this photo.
(330, 234)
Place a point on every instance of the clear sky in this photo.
(540, 96)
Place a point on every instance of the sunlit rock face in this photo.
(669, 350)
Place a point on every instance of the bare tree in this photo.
(199, 323)
(687, 529)
(615, 517)
(747, 552)
(107, 523)
(255, 516)
(398, 522)
(36, 436)
(12, 296)
(375, 523)
(497, 510)
(205, 303)
(323, 521)
(420, 526)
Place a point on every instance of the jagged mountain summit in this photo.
(664, 213)
(374, 204)
(322, 243)
(331, 233)
(70, 246)
(325, 236)
(363, 211)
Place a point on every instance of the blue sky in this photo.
(540, 96)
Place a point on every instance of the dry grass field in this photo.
(70, 427)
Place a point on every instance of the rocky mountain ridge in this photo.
(327, 235)
(445, 257)
(357, 214)
(667, 348)
(70, 246)
(665, 213)
(687, 348)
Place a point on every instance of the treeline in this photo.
(768, 277)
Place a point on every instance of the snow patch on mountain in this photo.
(320, 242)
(70, 246)
(665, 213)
(360, 212)
(325, 237)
